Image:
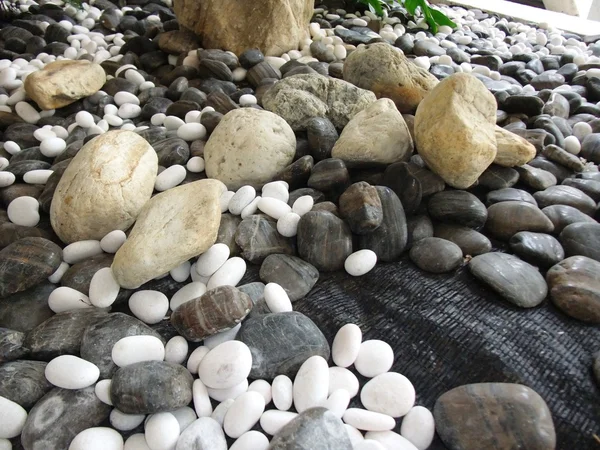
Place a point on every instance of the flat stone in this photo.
(257, 237)
(539, 249)
(498, 177)
(23, 382)
(508, 218)
(361, 208)
(588, 187)
(563, 157)
(459, 207)
(517, 281)
(471, 242)
(509, 195)
(436, 255)
(563, 215)
(293, 274)
(582, 239)
(494, 415)
(566, 195)
(281, 342)
(34, 301)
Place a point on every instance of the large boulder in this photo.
(299, 98)
(104, 187)
(512, 149)
(249, 146)
(273, 26)
(385, 70)
(455, 129)
(61, 83)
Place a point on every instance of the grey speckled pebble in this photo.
(24, 382)
(295, 275)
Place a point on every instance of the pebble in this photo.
(202, 404)
(276, 298)
(242, 198)
(81, 250)
(189, 292)
(37, 176)
(229, 274)
(52, 147)
(311, 384)
(436, 255)
(368, 420)
(263, 388)
(102, 390)
(251, 440)
(303, 204)
(191, 132)
(97, 438)
(276, 189)
(176, 350)
(226, 365)
(24, 211)
(243, 414)
(113, 241)
(13, 418)
(288, 224)
(234, 392)
(65, 298)
(282, 392)
(71, 372)
(295, 275)
(134, 349)
(204, 433)
(6, 179)
(374, 358)
(346, 345)
(389, 393)
(418, 426)
(170, 177)
(161, 431)
(104, 289)
(273, 207)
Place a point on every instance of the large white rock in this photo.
(104, 187)
(311, 384)
(71, 372)
(226, 365)
(249, 146)
(173, 227)
(97, 438)
(12, 418)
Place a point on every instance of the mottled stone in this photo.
(400, 178)
(498, 177)
(258, 238)
(539, 249)
(324, 240)
(566, 195)
(509, 195)
(471, 242)
(361, 208)
(563, 215)
(562, 157)
(256, 292)
(281, 342)
(297, 174)
(79, 275)
(10, 232)
(322, 136)
(436, 255)
(515, 280)
(494, 415)
(172, 151)
(459, 207)
(295, 275)
(226, 235)
(218, 310)
(535, 178)
(582, 239)
(507, 218)
(329, 175)
(24, 382)
(34, 301)
(12, 345)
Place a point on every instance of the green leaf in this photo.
(411, 6)
(441, 18)
(375, 5)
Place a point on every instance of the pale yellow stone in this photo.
(513, 150)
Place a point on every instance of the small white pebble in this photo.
(176, 350)
(277, 299)
(191, 131)
(113, 241)
(170, 177)
(572, 145)
(124, 97)
(288, 224)
(52, 147)
(81, 250)
(39, 176)
(360, 262)
(84, 119)
(182, 272)
(24, 211)
(195, 164)
(248, 100)
(58, 273)
(104, 288)
(11, 147)
(374, 358)
(149, 306)
(102, 390)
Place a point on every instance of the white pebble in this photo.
(202, 404)
(11, 147)
(129, 111)
(243, 414)
(374, 358)
(67, 299)
(81, 250)
(3, 163)
(71, 372)
(134, 76)
(234, 392)
(288, 224)
(251, 440)
(212, 259)
(273, 207)
(185, 416)
(368, 444)
(248, 100)
(6, 179)
(422, 62)
(97, 438)
(346, 345)
(277, 298)
(418, 426)
(229, 274)
(242, 198)
(226, 365)
(103, 288)
(338, 402)
(225, 199)
(355, 436)
(273, 420)
(263, 387)
(192, 117)
(124, 97)
(191, 131)
(162, 431)
(84, 119)
(176, 350)
(389, 393)
(24, 211)
(368, 420)
(282, 392)
(311, 384)
(342, 378)
(113, 241)
(360, 262)
(170, 177)
(182, 272)
(158, 119)
(149, 306)
(303, 204)
(390, 440)
(52, 147)
(133, 349)
(27, 112)
(43, 133)
(276, 189)
(251, 208)
(58, 273)
(572, 145)
(581, 130)
(195, 358)
(113, 120)
(136, 442)
(189, 292)
(12, 418)
(172, 123)
(102, 390)
(125, 422)
(195, 164)
(39, 176)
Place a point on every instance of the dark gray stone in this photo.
(297, 174)
(329, 175)
(588, 187)
(563, 215)
(535, 178)
(566, 195)
(509, 195)
(322, 136)
(226, 235)
(258, 238)
(562, 157)
(539, 249)
(79, 275)
(558, 170)
(400, 177)
(581, 239)
(12, 345)
(418, 227)
(172, 151)
(34, 301)
(471, 242)
(324, 240)
(508, 218)
(295, 275)
(436, 255)
(498, 177)
(24, 382)
(361, 208)
(256, 292)
(460, 207)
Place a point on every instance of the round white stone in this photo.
(418, 426)
(3, 163)
(196, 356)
(97, 438)
(170, 177)
(84, 119)
(251, 440)
(102, 390)
(346, 345)
(273, 420)
(225, 199)
(374, 358)
(572, 145)
(226, 365)
(113, 241)
(81, 250)
(248, 100)
(223, 336)
(202, 404)
(277, 299)
(368, 444)
(338, 402)
(389, 393)
(191, 131)
(71, 372)
(185, 294)
(282, 392)
(229, 274)
(52, 147)
(125, 422)
(242, 198)
(185, 416)
(11, 147)
(263, 388)
(368, 420)
(172, 123)
(58, 273)
(341, 378)
(360, 262)
(251, 208)
(133, 349)
(27, 112)
(311, 384)
(195, 164)
(136, 442)
(288, 224)
(7, 179)
(273, 207)
(134, 76)
(65, 298)
(124, 97)
(390, 440)
(113, 120)
(192, 116)
(43, 133)
(234, 392)
(103, 288)
(158, 119)
(182, 272)
(218, 415)
(212, 259)
(24, 211)
(12, 418)
(354, 435)
(581, 130)
(129, 111)
(176, 350)
(303, 204)
(162, 431)
(276, 189)
(149, 306)
(243, 414)
(37, 176)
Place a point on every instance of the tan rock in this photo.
(104, 187)
(173, 227)
(249, 146)
(274, 26)
(455, 129)
(385, 70)
(61, 83)
(512, 149)
(178, 41)
(376, 135)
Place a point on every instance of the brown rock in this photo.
(508, 218)
(512, 149)
(178, 41)
(361, 208)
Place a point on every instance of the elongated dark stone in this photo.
(471, 242)
(258, 238)
(538, 179)
(34, 301)
(507, 218)
(418, 227)
(589, 187)
(399, 178)
(566, 195)
(563, 215)
(219, 309)
(24, 382)
(324, 240)
(539, 249)
(60, 415)
(27, 262)
(562, 157)
(361, 208)
(509, 194)
(281, 342)
(582, 239)
(436, 255)
(498, 177)
(460, 207)
(329, 175)
(293, 274)
(79, 275)
(12, 345)
(151, 386)
(322, 136)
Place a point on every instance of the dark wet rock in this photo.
(548, 80)
(535, 178)
(563, 215)
(562, 157)
(588, 187)
(471, 242)
(498, 177)
(10, 232)
(536, 137)
(460, 207)
(221, 102)
(256, 292)
(230, 60)
(261, 72)
(400, 177)
(317, 196)
(297, 174)
(361, 208)
(258, 238)
(12, 345)
(508, 218)
(494, 415)
(527, 104)
(34, 301)
(210, 120)
(581, 239)
(295, 275)
(324, 240)
(281, 342)
(114, 85)
(8, 194)
(227, 229)
(559, 171)
(508, 195)
(172, 151)
(329, 175)
(539, 249)
(566, 195)
(590, 148)
(557, 106)
(418, 227)
(436, 255)
(322, 136)
(24, 382)
(79, 275)
(251, 57)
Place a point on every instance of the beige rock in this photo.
(249, 146)
(274, 26)
(61, 83)
(385, 70)
(104, 187)
(455, 129)
(173, 227)
(512, 149)
(178, 41)
(301, 97)
(376, 135)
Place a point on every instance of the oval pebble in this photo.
(273, 420)
(136, 442)
(273, 207)
(133, 349)
(176, 350)
(248, 100)
(338, 402)
(201, 400)
(234, 392)
(360, 262)
(129, 111)
(212, 259)
(149, 306)
(220, 411)
(189, 292)
(81, 250)
(225, 199)
(173, 123)
(84, 119)
(102, 390)
(12, 418)
(52, 147)
(182, 272)
(374, 358)
(389, 393)
(191, 131)
(6, 179)
(276, 189)
(572, 145)
(264, 388)
(277, 299)
(11, 147)
(354, 435)
(242, 198)
(346, 345)
(65, 298)
(251, 440)
(24, 211)
(390, 440)
(229, 274)
(37, 176)
(282, 392)
(113, 241)
(288, 224)
(185, 416)
(341, 378)
(27, 112)
(195, 357)
(162, 431)
(364, 420)
(368, 444)
(170, 177)
(226, 365)
(97, 438)
(311, 384)
(418, 426)
(243, 414)
(195, 164)
(125, 422)
(104, 289)
(71, 372)
(123, 97)
(251, 208)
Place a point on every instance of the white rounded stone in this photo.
(243, 414)
(52, 147)
(136, 442)
(37, 176)
(3, 163)
(212, 259)
(572, 145)
(251, 440)
(251, 208)
(162, 431)
(303, 204)
(218, 415)
(7, 179)
(182, 272)
(368, 420)
(65, 298)
(346, 345)
(234, 392)
(133, 349)
(277, 299)
(360, 262)
(225, 199)
(113, 120)
(170, 177)
(282, 392)
(185, 416)
(102, 390)
(158, 119)
(341, 378)
(203, 433)
(81, 250)
(11, 147)
(113, 241)
(273, 420)
(27, 112)
(226, 365)
(288, 224)
(84, 119)
(104, 289)
(355, 436)
(389, 393)
(12, 418)
(390, 440)
(368, 444)
(338, 402)
(248, 100)
(176, 350)
(311, 384)
(173, 123)
(195, 164)
(273, 207)
(242, 198)
(202, 404)
(125, 422)
(24, 211)
(124, 97)
(58, 273)
(191, 131)
(71, 372)
(223, 336)
(192, 117)
(134, 76)
(374, 358)
(276, 189)
(263, 387)
(229, 274)
(43, 133)
(97, 438)
(195, 357)
(129, 111)
(418, 426)
(581, 130)
(185, 294)
(149, 306)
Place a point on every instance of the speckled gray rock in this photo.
(539, 249)
(204, 433)
(281, 342)
(11, 345)
(566, 195)
(322, 136)
(436, 255)
(258, 238)
(34, 301)
(24, 382)
(471, 242)
(581, 239)
(60, 415)
(151, 386)
(256, 292)
(79, 276)
(507, 218)
(509, 195)
(459, 207)
(314, 429)
(295, 275)
(517, 281)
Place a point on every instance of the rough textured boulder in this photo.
(376, 135)
(455, 129)
(249, 146)
(301, 97)
(274, 26)
(104, 187)
(173, 227)
(512, 149)
(63, 82)
(385, 70)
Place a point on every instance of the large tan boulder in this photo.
(104, 187)
(376, 135)
(455, 129)
(273, 26)
(512, 149)
(385, 70)
(173, 227)
(61, 83)
(249, 146)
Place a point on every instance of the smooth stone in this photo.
(589, 187)
(400, 178)
(11, 345)
(34, 301)
(419, 227)
(57, 418)
(512, 149)
(360, 206)
(258, 238)
(418, 426)
(564, 158)
(79, 275)
(563, 215)
(517, 281)
(497, 177)
(297, 173)
(526, 104)
(581, 239)
(97, 438)
(322, 136)
(509, 195)
(23, 382)
(471, 242)
(329, 175)
(537, 179)
(539, 249)
(71, 372)
(566, 195)
(10, 233)
(204, 433)
(226, 365)
(293, 274)
(574, 288)
(508, 218)
(389, 393)
(172, 151)
(459, 207)
(298, 338)
(590, 148)
(494, 415)
(436, 255)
